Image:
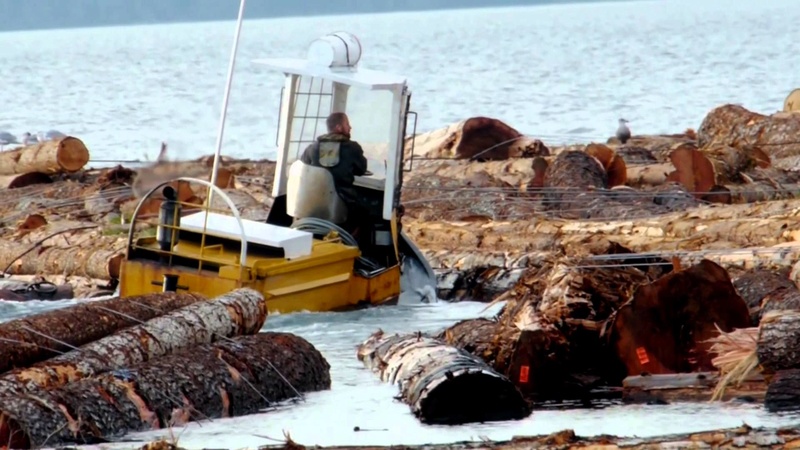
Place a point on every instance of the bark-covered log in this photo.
(665, 327)
(688, 387)
(779, 341)
(755, 286)
(484, 137)
(734, 125)
(533, 355)
(440, 383)
(783, 391)
(223, 379)
(91, 259)
(68, 154)
(568, 178)
(23, 180)
(731, 162)
(239, 312)
(50, 333)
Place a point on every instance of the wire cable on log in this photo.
(39, 242)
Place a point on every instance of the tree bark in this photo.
(91, 259)
(783, 391)
(64, 155)
(665, 326)
(779, 341)
(50, 333)
(755, 286)
(572, 171)
(440, 383)
(224, 379)
(239, 312)
(734, 125)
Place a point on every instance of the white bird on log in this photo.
(623, 132)
(28, 138)
(7, 138)
(50, 135)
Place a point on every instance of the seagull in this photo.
(623, 132)
(7, 138)
(50, 135)
(28, 139)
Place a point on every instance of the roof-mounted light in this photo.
(336, 50)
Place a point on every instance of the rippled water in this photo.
(562, 72)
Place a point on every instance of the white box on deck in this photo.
(295, 243)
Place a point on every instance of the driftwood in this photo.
(481, 137)
(240, 312)
(779, 341)
(783, 391)
(441, 384)
(224, 379)
(90, 259)
(64, 155)
(35, 338)
(665, 327)
(744, 437)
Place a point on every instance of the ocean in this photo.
(562, 73)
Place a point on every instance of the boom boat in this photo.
(300, 258)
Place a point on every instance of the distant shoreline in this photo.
(8, 27)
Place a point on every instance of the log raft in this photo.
(224, 379)
(239, 312)
(440, 383)
(51, 333)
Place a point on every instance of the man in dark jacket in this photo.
(343, 158)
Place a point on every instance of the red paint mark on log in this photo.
(524, 371)
(641, 353)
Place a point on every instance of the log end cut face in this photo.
(485, 139)
(666, 326)
(72, 154)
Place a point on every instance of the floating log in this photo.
(93, 260)
(783, 391)
(665, 327)
(442, 384)
(23, 180)
(225, 379)
(755, 286)
(240, 312)
(19, 291)
(688, 387)
(779, 341)
(736, 126)
(65, 155)
(35, 338)
(533, 354)
(481, 137)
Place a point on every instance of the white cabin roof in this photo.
(295, 243)
(365, 78)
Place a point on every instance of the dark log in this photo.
(239, 312)
(688, 387)
(24, 180)
(665, 327)
(783, 391)
(755, 285)
(50, 333)
(442, 384)
(483, 138)
(225, 379)
(779, 341)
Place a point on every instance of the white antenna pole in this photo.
(224, 112)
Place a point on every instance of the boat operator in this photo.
(344, 159)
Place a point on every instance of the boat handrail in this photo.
(212, 188)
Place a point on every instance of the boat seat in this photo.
(310, 192)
